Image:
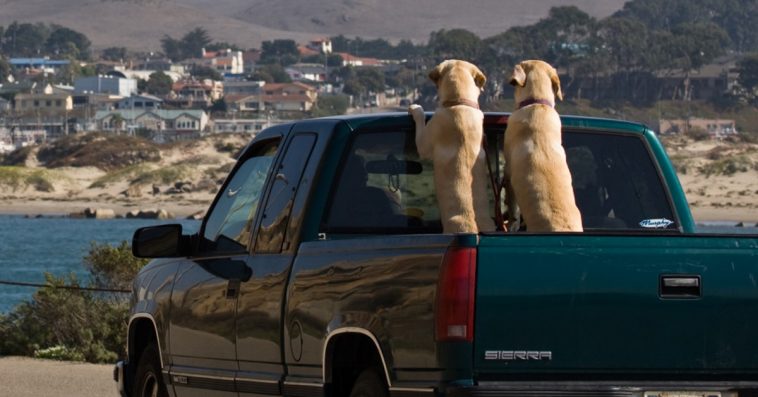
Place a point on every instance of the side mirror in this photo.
(164, 241)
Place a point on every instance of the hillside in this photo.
(140, 24)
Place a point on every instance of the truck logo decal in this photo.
(518, 355)
(656, 223)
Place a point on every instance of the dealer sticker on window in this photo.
(660, 223)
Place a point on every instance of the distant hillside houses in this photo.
(716, 128)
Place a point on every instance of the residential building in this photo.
(139, 102)
(224, 61)
(195, 94)
(44, 65)
(243, 87)
(166, 125)
(247, 126)
(43, 102)
(250, 58)
(102, 84)
(716, 128)
(307, 72)
(352, 60)
(5, 105)
(280, 97)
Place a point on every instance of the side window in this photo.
(229, 224)
(615, 182)
(283, 189)
(383, 187)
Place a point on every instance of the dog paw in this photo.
(417, 111)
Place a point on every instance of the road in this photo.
(21, 377)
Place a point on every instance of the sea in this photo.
(29, 247)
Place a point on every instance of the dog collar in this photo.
(532, 101)
(460, 101)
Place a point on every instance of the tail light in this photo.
(455, 295)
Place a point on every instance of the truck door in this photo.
(204, 300)
(259, 314)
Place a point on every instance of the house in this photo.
(247, 126)
(43, 102)
(306, 72)
(165, 125)
(193, 93)
(716, 128)
(176, 73)
(224, 61)
(103, 84)
(5, 105)
(139, 102)
(250, 58)
(44, 65)
(352, 60)
(243, 87)
(282, 97)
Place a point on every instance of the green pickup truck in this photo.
(321, 270)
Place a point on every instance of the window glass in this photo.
(283, 189)
(615, 182)
(229, 224)
(383, 187)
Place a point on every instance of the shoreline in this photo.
(184, 208)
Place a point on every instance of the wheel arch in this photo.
(142, 331)
(348, 351)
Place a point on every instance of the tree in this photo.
(159, 84)
(282, 52)
(330, 105)
(115, 54)
(222, 45)
(205, 72)
(171, 48)
(67, 42)
(272, 73)
(747, 68)
(193, 43)
(5, 70)
(25, 39)
(455, 44)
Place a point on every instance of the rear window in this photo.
(384, 188)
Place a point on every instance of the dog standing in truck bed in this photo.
(453, 141)
(537, 177)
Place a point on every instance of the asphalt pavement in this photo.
(22, 376)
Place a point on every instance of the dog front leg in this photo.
(422, 144)
(513, 218)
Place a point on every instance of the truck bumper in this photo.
(118, 376)
(606, 389)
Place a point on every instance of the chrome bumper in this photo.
(118, 376)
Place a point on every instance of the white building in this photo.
(111, 85)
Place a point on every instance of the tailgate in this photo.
(562, 304)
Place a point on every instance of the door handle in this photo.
(680, 286)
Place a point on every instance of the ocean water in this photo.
(29, 247)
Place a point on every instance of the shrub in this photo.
(75, 324)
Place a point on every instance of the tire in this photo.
(148, 378)
(369, 384)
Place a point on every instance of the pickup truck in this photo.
(321, 270)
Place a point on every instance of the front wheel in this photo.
(148, 379)
(369, 384)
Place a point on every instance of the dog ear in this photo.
(518, 76)
(556, 84)
(479, 78)
(436, 74)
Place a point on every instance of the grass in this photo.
(20, 178)
(164, 175)
(727, 166)
(125, 173)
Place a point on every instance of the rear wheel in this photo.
(148, 379)
(369, 384)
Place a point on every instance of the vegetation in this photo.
(21, 178)
(72, 324)
(97, 150)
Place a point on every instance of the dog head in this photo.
(535, 79)
(457, 80)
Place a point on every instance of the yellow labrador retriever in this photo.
(452, 140)
(537, 176)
